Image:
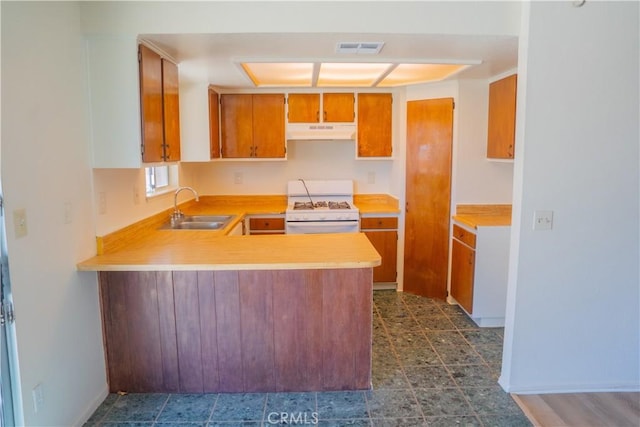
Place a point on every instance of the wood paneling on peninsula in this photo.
(237, 331)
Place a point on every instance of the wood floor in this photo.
(581, 409)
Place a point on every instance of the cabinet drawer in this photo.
(464, 236)
(390, 222)
(266, 224)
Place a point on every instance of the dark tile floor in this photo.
(431, 367)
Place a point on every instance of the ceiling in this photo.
(217, 57)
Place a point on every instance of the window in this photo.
(160, 179)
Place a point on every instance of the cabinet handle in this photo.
(324, 116)
(406, 207)
(317, 116)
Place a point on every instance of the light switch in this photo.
(542, 220)
(237, 177)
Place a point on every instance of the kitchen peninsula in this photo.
(200, 311)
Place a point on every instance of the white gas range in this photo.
(321, 207)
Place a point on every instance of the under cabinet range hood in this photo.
(320, 131)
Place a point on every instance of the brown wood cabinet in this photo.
(252, 125)
(237, 331)
(159, 102)
(214, 124)
(463, 259)
(266, 225)
(374, 124)
(303, 108)
(502, 118)
(382, 232)
(338, 107)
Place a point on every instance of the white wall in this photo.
(573, 303)
(45, 164)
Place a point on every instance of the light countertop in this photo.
(144, 247)
(475, 216)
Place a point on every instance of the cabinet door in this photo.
(338, 107)
(502, 118)
(374, 124)
(268, 125)
(462, 269)
(386, 243)
(303, 108)
(237, 125)
(214, 124)
(171, 110)
(151, 105)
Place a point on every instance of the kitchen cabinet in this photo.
(479, 270)
(382, 232)
(160, 115)
(266, 225)
(303, 108)
(214, 124)
(374, 124)
(252, 125)
(502, 118)
(336, 108)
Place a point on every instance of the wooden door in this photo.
(338, 107)
(268, 125)
(171, 110)
(151, 104)
(374, 124)
(462, 269)
(237, 125)
(304, 108)
(214, 124)
(428, 196)
(502, 118)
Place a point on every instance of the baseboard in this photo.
(571, 388)
(95, 403)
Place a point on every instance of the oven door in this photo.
(316, 227)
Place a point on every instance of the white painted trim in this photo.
(95, 404)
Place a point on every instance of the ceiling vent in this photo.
(366, 48)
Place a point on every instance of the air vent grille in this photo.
(370, 48)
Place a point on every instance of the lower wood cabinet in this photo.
(266, 225)
(479, 272)
(382, 232)
(237, 331)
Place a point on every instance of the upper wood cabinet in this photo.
(303, 108)
(159, 107)
(214, 124)
(374, 124)
(171, 110)
(502, 118)
(338, 107)
(252, 125)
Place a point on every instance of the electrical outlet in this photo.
(68, 213)
(136, 195)
(542, 220)
(102, 203)
(37, 394)
(237, 177)
(20, 222)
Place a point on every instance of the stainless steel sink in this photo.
(199, 222)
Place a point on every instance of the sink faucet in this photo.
(177, 214)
